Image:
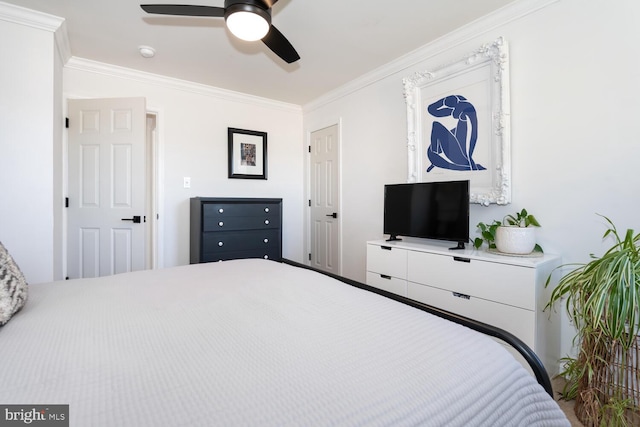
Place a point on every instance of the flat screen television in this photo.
(429, 210)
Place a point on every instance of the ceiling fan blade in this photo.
(280, 45)
(183, 9)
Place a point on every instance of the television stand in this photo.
(460, 246)
(503, 291)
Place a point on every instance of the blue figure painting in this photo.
(453, 148)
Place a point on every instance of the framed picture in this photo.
(458, 124)
(247, 154)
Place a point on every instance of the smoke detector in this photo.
(147, 51)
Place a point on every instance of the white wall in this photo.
(29, 82)
(193, 122)
(575, 85)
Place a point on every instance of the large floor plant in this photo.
(603, 301)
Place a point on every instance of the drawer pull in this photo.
(266, 240)
(266, 221)
(384, 276)
(266, 210)
(220, 210)
(220, 243)
(386, 248)
(220, 223)
(459, 295)
(460, 259)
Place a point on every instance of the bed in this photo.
(256, 343)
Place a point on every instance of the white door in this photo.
(106, 214)
(325, 199)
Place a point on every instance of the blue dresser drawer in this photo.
(216, 210)
(238, 240)
(227, 223)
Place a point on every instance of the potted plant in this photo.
(603, 302)
(516, 234)
(513, 235)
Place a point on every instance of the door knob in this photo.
(137, 219)
(333, 215)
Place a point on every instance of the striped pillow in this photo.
(13, 287)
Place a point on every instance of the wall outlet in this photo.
(187, 182)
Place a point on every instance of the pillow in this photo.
(13, 287)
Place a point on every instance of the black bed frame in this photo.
(532, 359)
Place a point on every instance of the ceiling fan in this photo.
(247, 19)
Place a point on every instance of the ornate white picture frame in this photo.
(458, 123)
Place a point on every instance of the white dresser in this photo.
(507, 292)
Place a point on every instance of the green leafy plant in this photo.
(605, 292)
(614, 413)
(488, 234)
(603, 302)
(521, 219)
(571, 372)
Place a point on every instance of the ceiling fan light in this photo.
(247, 26)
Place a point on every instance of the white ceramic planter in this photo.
(516, 240)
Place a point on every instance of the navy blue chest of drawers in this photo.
(232, 228)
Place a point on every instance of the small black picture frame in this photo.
(247, 154)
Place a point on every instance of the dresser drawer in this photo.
(508, 284)
(387, 283)
(226, 241)
(225, 223)
(216, 210)
(517, 321)
(266, 253)
(387, 260)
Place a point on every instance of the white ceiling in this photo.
(338, 40)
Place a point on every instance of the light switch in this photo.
(187, 182)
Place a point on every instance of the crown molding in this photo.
(41, 21)
(62, 42)
(30, 18)
(177, 84)
(466, 33)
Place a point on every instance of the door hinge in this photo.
(66, 122)
(309, 257)
(66, 202)
(309, 148)
(309, 202)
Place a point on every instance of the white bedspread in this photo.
(255, 343)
